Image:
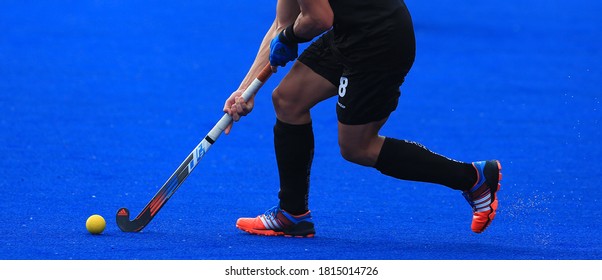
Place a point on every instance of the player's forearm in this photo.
(262, 57)
(287, 12)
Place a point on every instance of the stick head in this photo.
(136, 225)
(123, 219)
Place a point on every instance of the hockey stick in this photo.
(177, 178)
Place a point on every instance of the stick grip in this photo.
(226, 119)
(266, 72)
(263, 76)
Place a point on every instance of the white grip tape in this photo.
(252, 89)
(217, 130)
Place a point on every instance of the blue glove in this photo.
(282, 50)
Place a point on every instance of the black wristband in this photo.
(288, 36)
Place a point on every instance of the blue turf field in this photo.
(101, 100)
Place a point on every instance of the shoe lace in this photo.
(272, 212)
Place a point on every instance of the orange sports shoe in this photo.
(277, 222)
(482, 197)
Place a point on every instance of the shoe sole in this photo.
(269, 232)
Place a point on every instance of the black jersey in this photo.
(375, 33)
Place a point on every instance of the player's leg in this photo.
(298, 92)
(365, 101)
(406, 160)
(478, 181)
(310, 80)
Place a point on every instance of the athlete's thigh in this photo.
(299, 91)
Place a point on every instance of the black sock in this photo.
(411, 161)
(294, 146)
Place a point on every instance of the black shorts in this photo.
(366, 94)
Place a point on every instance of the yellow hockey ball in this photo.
(96, 224)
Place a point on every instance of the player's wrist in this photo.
(287, 36)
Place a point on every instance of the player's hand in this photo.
(236, 107)
(282, 51)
